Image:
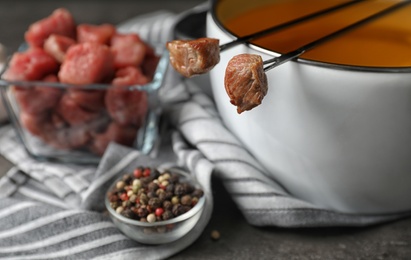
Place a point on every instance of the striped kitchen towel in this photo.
(52, 211)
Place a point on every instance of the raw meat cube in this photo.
(37, 125)
(33, 64)
(57, 46)
(92, 100)
(127, 107)
(72, 113)
(150, 62)
(124, 135)
(57, 121)
(62, 137)
(60, 22)
(95, 33)
(129, 76)
(128, 50)
(39, 99)
(194, 57)
(87, 63)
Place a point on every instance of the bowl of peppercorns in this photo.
(154, 205)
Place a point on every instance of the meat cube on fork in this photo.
(245, 81)
(194, 57)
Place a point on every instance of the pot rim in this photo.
(307, 61)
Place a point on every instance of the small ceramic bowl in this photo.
(73, 134)
(159, 232)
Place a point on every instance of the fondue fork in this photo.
(286, 24)
(274, 62)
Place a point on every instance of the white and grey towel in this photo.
(53, 211)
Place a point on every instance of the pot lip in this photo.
(329, 65)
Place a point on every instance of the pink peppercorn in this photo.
(138, 173)
(146, 172)
(159, 212)
(123, 196)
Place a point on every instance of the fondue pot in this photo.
(335, 126)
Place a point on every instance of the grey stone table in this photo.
(238, 239)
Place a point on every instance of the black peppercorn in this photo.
(128, 213)
(197, 193)
(127, 179)
(152, 186)
(169, 195)
(154, 203)
(167, 215)
(155, 174)
(188, 188)
(170, 187)
(178, 209)
(162, 196)
(179, 189)
(151, 194)
(174, 178)
(167, 205)
(142, 212)
(186, 200)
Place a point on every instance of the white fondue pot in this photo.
(338, 137)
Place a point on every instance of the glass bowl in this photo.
(83, 141)
(163, 231)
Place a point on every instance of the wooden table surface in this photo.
(238, 240)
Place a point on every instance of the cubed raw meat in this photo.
(87, 63)
(60, 22)
(129, 76)
(33, 64)
(128, 50)
(92, 100)
(36, 124)
(57, 46)
(150, 62)
(127, 107)
(39, 99)
(57, 121)
(194, 57)
(95, 33)
(72, 113)
(124, 135)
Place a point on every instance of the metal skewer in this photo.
(296, 53)
(286, 24)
